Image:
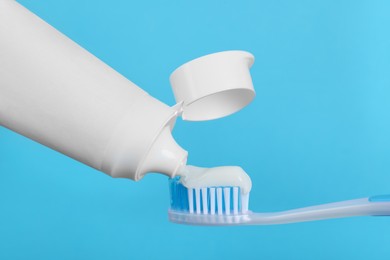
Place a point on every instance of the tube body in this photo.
(58, 94)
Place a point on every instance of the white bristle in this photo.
(197, 200)
(219, 201)
(212, 201)
(191, 200)
(226, 195)
(235, 200)
(244, 202)
(204, 201)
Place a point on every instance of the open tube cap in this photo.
(214, 86)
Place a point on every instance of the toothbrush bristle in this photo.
(207, 200)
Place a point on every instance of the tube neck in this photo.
(165, 156)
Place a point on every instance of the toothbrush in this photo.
(228, 206)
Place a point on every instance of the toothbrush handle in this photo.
(372, 206)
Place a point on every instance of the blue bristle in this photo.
(179, 195)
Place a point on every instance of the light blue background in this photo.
(318, 131)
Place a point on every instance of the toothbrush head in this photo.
(221, 205)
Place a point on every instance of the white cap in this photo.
(214, 86)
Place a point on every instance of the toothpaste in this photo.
(194, 177)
